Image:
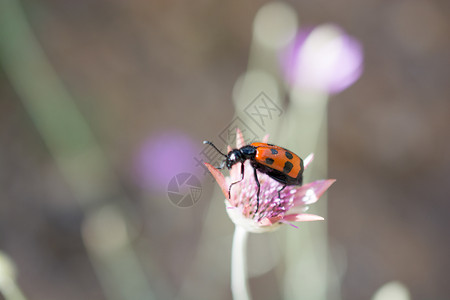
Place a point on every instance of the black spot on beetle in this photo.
(269, 161)
(288, 155)
(287, 167)
(274, 151)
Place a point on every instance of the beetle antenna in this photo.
(211, 144)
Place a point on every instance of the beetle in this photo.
(277, 162)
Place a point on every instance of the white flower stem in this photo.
(239, 282)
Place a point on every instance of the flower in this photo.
(273, 210)
(324, 58)
(163, 156)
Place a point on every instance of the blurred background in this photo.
(103, 103)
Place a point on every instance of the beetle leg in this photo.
(259, 188)
(242, 178)
(281, 190)
(222, 165)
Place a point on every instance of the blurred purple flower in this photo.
(323, 58)
(162, 157)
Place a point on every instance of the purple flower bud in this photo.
(162, 157)
(324, 58)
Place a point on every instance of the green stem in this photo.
(306, 255)
(11, 291)
(72, 144)
(8, 279)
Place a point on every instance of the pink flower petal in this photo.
(308, 160)
(302, 218)
(311, 192)
(235, 172)
(239, 139)
(270, 221)
(219, 178)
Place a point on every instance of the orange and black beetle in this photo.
(280, 164)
